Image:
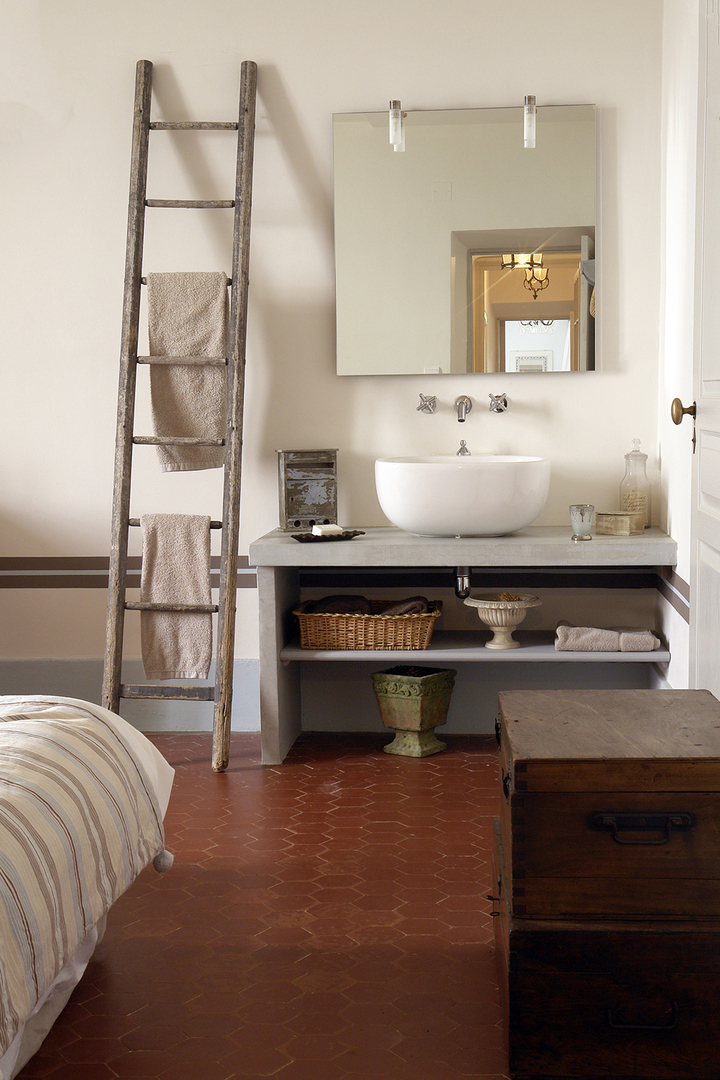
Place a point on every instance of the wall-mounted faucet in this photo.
(462, 406)
(498, 402)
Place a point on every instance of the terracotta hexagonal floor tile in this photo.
(255, 1061)
(154, 1037)
(324, 920)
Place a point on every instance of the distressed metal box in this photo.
(611, 803)
(307, 487)
(620, 523)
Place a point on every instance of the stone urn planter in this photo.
(413, 701)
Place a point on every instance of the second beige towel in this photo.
(188, 316)
(593, 639)
(176, 569)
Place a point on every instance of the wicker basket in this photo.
(328, 631)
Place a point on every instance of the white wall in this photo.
(65, 127)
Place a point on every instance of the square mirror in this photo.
(462, 252)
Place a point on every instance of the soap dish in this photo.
(311, 538)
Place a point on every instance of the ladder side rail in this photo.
(127, 385)
(225, 652)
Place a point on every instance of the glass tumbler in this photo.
(581, 519)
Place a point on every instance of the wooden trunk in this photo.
(608, 999)
(611, 806)
(607, 863)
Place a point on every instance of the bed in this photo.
(82, 800)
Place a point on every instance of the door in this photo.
(705, 571)
(583, 322)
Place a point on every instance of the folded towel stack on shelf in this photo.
(594, 639)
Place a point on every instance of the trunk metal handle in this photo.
(643, 1027)
(662, 821)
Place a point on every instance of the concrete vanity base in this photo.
(393, 558)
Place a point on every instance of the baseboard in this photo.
(83, 679)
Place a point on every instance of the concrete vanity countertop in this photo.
(543, 545)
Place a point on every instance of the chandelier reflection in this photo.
(536, 275)
(536, 326)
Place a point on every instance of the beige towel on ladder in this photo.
(176, 569)
(188, 316)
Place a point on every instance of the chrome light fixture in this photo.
(397, 126)
(529, 122)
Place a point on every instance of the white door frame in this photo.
(705, 520)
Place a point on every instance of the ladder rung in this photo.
(135, 523)
(143, 281)
(192, 204)
(146, 605)
(176, 693)
(184, 361)
(191, 125)
(175, 440)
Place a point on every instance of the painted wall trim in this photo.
(83, 679)
(92, 573)
(675, 590)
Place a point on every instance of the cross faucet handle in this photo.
(427, 404)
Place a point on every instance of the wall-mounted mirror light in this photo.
(429, 243)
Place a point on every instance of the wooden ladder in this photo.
(221, 693)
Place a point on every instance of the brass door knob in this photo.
(678, 410)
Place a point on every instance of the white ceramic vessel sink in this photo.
(479, 495)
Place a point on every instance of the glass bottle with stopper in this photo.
(635, 486)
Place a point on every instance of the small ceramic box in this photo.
(620, 523)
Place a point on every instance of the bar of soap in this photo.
(326, 530)
(620, 523)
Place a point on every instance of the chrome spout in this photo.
(462, 581)
(462, 406)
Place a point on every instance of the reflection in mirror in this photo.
(430, 243)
